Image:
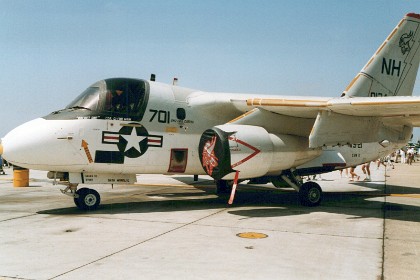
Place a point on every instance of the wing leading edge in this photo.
(398, 106)
(340, 121)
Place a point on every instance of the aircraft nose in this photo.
(38, 144)
(18, 145)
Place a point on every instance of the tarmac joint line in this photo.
(139, 243)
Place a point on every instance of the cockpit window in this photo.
(125, 97)
(114, 98)
(87, 99)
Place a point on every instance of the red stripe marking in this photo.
(235, 184)
(256, 151)
(414, 15)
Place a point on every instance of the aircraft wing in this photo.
(288, 106)
(403, 109)
(343, 120)
(399, 106)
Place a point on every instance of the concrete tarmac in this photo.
(170, 227)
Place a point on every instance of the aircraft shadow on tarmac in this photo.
(259, 202)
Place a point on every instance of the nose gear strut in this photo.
(84, 198)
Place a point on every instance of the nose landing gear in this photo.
(88, 199)
(84, 198)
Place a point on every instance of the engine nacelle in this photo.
(251, 150)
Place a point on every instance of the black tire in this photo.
(88, 199)
(310, 194)
(76, 201)
(223, 187)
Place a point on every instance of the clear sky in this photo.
(50, 51)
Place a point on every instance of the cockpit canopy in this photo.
(112, 98)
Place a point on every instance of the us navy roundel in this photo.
(132, 141)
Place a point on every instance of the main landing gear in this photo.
(310, 193)
(223, 186)
(84, 198)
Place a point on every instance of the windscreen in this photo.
(87, 99)
(114, 98)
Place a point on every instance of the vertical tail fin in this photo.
(392, 70)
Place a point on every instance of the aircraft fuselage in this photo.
(163, 140)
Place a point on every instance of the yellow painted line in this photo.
(243, 115)
(380, 48)
(131, 124)
(412, 195)
(286, 102)
(253, 102)
(385, 102)
(401, 22)
(252, 235)
(370, 61)
(392, 34)
(352, 82)
(171, 129)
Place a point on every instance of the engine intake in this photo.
(251, 150)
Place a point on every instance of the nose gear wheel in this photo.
(88, 199)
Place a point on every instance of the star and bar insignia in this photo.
(132, 142)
